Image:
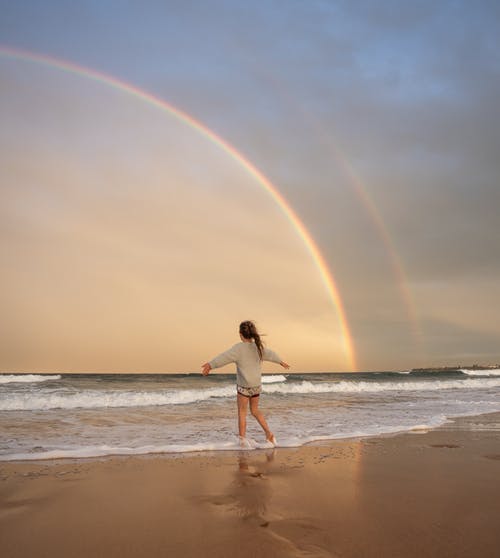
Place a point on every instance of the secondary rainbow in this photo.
(273, 191)
(361, 192)
(380, 226)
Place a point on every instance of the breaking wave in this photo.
(90, 399)
(27, 378)
(482, 373)
(272, 379)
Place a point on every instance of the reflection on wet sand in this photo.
(406, 495)
(250, 489)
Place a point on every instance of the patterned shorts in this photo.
(249, 391)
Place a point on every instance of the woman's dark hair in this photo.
(248, 330)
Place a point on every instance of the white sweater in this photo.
(248, 363)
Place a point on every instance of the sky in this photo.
(131, 241)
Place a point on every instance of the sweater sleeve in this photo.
(231, 355)
(271, 356)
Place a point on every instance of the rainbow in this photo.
(381, 228)
(360, 190)
(250, 168)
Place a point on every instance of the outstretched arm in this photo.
(227, 357)
(271, 356)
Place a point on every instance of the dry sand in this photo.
(434, 494)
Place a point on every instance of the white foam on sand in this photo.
(287, 435)
(234, 444)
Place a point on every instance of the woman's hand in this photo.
(285, 365)
(205, 369)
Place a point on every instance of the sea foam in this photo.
(488, 372)
(27, 378)
(374, 387)
(107, 450)
(273, 378)
(91, 399)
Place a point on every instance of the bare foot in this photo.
(270, 438)
(244, 443)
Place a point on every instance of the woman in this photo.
(248, 356)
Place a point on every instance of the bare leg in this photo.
(242, 414)
(254, 409)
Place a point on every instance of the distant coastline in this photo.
(458, 367)
(426, 370)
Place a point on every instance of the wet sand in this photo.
(425, 494)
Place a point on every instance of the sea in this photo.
(93, 415)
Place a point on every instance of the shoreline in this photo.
(417, 493)
(419, 429)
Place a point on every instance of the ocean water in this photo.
(90, 415)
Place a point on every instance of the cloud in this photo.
(129, 241)
(403, 95)
(467, 344)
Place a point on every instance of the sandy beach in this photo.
(419, 494)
